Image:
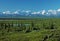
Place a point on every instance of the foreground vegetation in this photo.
(30, 30)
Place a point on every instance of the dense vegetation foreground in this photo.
(30, 30)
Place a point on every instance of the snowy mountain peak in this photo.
(32, 13)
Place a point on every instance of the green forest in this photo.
(30, 30)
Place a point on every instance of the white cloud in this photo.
(47, 14)
(26, 11)
(6, 12)
(58, 10)
(3, 12)
(43, 12)
(16, 12)
(52, 12)
(36, 12)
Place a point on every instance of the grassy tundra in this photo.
(30, 30)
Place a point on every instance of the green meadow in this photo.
(42, 29)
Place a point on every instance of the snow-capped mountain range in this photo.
(29, 13)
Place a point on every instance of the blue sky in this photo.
(29, 5)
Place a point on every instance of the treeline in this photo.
(11, 27)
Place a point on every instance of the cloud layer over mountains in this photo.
(29, 12)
